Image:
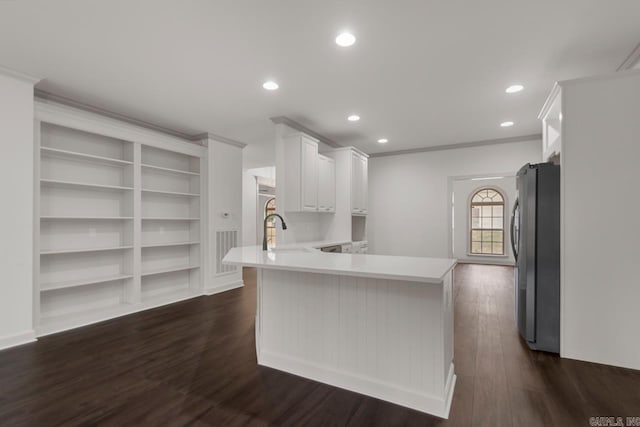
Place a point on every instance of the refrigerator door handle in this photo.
(513, 230)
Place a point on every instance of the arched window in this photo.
(269, 208)
(487, 222)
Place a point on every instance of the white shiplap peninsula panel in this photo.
(389, 339)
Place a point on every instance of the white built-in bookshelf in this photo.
(119, 226)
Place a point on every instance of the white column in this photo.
(16, 215)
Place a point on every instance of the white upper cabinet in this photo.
(301, 179)
(359, 184)
(551, 117)
(326, 184)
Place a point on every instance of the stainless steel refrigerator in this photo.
(535, 239)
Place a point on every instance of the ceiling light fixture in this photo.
(345, 39)
(270, 85)
(353, 118)
(383, 140)
(514, 88)
(506, 124)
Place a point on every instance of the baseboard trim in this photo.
(18, 339)
(223, 288)
(434, 405)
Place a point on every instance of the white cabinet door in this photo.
(326, 184)
(359, 184)
(356, 183)
(309, 174)
(364, 184)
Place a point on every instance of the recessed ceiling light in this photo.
(345, 39)
(383, 140)
(270, 85)
(506, 124)
(353, 118)
(514, 88)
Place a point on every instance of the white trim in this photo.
(204, 138)
(301, 128)
(223, 288)
(549, 101)
(350, 148)
(632, 60)
(17, 339)
(19, 75)
(368, 386)
(87, 121)
(125, 310)
(472, 144)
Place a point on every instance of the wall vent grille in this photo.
(225, 240)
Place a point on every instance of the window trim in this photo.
(504, 204)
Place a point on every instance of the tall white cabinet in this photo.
(301, 184)
(359, 183)
(119, 212)
(326, 184)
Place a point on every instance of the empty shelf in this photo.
(170, 270)
(46, 287)
(170, 193)
(56, 152)
(163, 245)
(169, 170)
(58, 183)
(73, 251)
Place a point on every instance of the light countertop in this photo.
(303, 257)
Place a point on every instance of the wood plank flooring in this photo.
(193, 364)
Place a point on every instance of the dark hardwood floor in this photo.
(193, 363)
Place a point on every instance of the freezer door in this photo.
(526, 260)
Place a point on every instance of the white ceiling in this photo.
(422, 73)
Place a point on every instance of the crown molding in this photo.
(208, 135)
(19, 75)
(302, 128)
(472, 144)
(197, 139)
(631, 60)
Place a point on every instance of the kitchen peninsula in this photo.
(374, 324)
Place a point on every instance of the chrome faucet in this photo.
(264, 233)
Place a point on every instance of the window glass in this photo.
(487, 222)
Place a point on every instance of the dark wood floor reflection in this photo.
(193, 363)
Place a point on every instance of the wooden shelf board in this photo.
(59, 183)
(163, 245)
(169, 193)
(44, 287)
(73, 251)
(169, 170)
(56, 152)
(169, 270)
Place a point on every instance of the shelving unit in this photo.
(119, 227)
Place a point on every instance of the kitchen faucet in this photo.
(264, 234)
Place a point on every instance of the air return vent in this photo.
(225, 240)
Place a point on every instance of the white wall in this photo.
(601, 202)
(224, 197)
(17, 213)
(249, 206)
(463, 190)
(409, 197)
